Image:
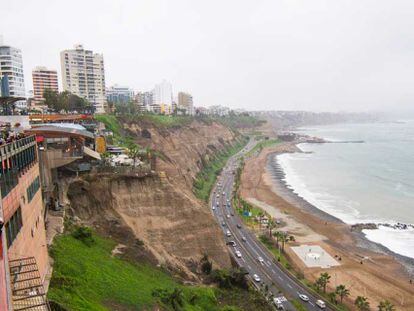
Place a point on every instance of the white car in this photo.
(244, 239)
(304, 297)
(228, 233)
(256, 277)
(260, 259)
(320, 304)
(228, 216)
(238, 254)
(214, 207)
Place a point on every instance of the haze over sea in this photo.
(364, 182)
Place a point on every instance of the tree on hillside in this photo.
(324, 280)
(133, 152)
(206, 264)
(342, 292)
(65, 101)
(362, 303)
(385, 305)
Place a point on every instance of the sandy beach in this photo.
(365, 268)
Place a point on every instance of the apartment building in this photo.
(83, 74)
(43, 79)
(25, 260)
(162, 98)
(119, 94)
(11, 70)
(185, 102)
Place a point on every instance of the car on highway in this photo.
(260, 259)
(228, 216)
(228, 233)
(256, 277)
(232, 243)
(304, 297)
(238, 254)
(239, 226)
(224, 193)
(321, 304)
(223, 224)
(244, 239)
(278, 303)
(214, 207)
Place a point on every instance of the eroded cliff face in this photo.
(162, 212)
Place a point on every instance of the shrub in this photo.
(84, 234)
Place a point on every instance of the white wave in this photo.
(397, 240)
(344, 209)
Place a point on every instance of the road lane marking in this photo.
(290, 286)
(311, 304)
(280, 277)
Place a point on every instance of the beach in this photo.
(365, 267)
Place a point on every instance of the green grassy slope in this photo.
(89, 278)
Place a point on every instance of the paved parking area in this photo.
(314, 256)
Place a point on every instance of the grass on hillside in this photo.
(87, 277)
(262, 144)
(240, 121)
(206, 178)
(112, 124)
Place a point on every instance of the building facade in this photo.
(119, 94)
(23, 235)
(144, 101)
(185, 102)
(83, 74)
(43, 79)
(11, 69)
(162, 97)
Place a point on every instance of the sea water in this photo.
(360, 182)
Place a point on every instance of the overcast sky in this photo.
(333, 55)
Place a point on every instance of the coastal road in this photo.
(255, 258)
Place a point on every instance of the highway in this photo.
(279, 282)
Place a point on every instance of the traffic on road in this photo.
(249, 253)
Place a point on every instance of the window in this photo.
(13, 226)
(33, 188)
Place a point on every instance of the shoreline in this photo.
(366, 267)
(275, 170)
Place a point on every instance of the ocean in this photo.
(367, 182)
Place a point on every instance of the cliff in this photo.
(176, 227)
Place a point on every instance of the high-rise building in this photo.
(43, 79)
(185, 101)
(119, 94)
(162, 97)
(83, 74)
(11, 68)
(144, 100)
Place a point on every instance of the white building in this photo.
(144, 101)
(11, 69)
(83, 74)
(119, 94)
(162, 97)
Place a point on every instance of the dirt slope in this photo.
(162, 212)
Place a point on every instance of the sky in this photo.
(318, 55)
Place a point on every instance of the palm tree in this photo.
(332, 297)
(271, 226)
(342, 292)
(385, 305)
(362, 303)
(323, 280)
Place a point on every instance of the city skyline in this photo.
(322, 56)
